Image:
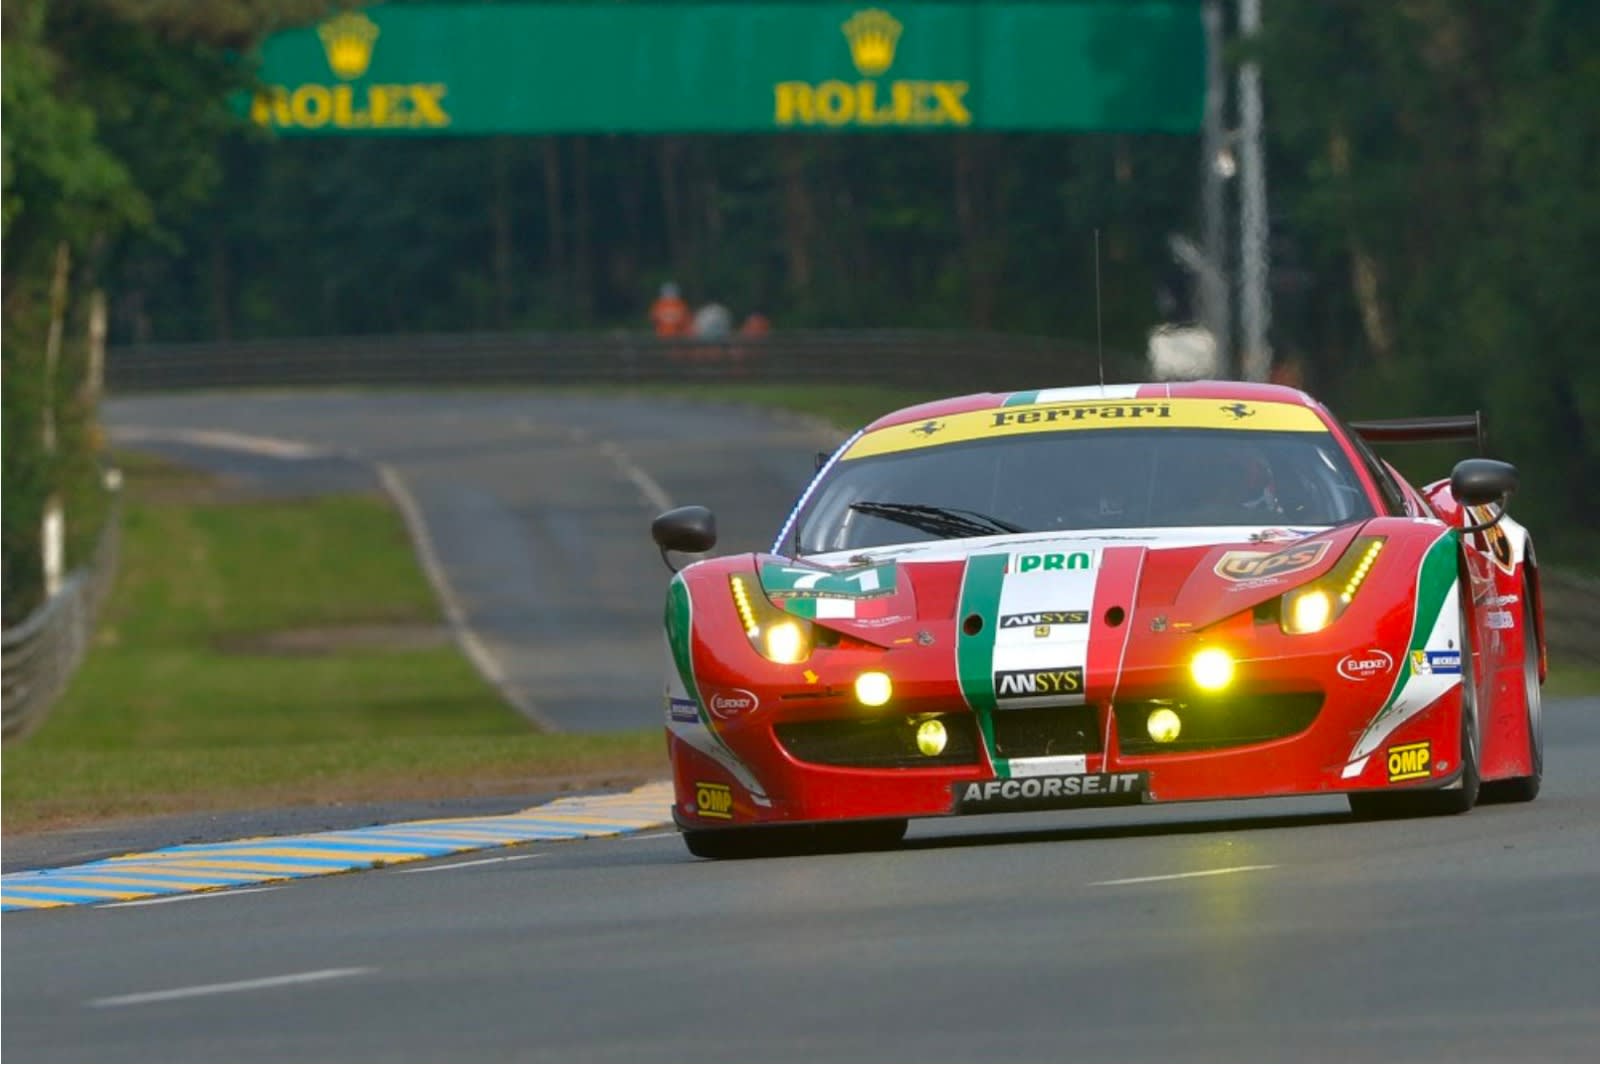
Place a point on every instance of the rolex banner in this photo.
(748, 66)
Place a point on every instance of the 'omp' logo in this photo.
(1407, 762)
(713, 800)
(1245, 565)
(347, 40)
(1021, 684)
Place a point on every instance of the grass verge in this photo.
(185, 705)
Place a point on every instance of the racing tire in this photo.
(1421, 803)
(1525, 789)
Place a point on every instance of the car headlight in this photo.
(780, 637)
(1315, 606)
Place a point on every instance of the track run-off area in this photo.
(1276, 930)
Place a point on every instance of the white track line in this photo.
(185, 898)
(1180, 877)
(474, 862)
(230, 986)
(470, 643)
(218, 438)
(649, 487)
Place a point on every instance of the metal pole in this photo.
(1215, 310)
(1255, 311)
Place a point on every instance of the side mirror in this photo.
(684, 529)
(1480, 482)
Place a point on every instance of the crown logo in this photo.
(873, 34)
(347, 39)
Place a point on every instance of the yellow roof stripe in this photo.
(994, 422)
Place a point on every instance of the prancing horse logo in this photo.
(928, 428)
(1238, 410)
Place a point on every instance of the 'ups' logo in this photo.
(1246, 565)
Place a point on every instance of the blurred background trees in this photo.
(1430, 178)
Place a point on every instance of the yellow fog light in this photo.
(931, 737)
(785, 641)
(1164, 725)
(1310, 612)
(1212, 669)
(873, 688)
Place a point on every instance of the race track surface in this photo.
(1020, 937)
(535, 508)
(1269, 931)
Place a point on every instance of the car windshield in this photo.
(1086, 480)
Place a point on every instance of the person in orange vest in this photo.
(670, 314)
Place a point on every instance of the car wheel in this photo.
(1523, 789)
(1426, 802)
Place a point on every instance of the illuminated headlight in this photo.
(779, 637)
(1309, 611)
(785, 642)
(1212, 669)
(1164, 725)
(1314, 607)
(931, 737)
(873, 688)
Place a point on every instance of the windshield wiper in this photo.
(940, 521)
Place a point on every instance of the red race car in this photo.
(1105, 595)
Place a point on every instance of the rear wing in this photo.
(1432, 428)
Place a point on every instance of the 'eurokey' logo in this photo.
(733, 703)
(1365, 665)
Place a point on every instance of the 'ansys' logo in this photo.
(347, 39)
(873, 35)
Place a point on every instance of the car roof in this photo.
(1246, 391)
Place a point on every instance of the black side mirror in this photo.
(684, 529)
(1480, 482)
(1483, 483)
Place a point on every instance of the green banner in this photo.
(738, 67)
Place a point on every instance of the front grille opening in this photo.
(1034, 732)
(1224, 722)
(879, 742)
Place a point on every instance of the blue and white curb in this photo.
(199, 867)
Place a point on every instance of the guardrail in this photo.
(38, 655)
(936, 359)
(1571, 617)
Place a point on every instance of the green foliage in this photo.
(185, 705)
(113, 111)
(1435, 161)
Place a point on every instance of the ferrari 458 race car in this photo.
(1104, 595)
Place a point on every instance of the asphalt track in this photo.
(1301, 935)
(534, 509)
(1281, 930)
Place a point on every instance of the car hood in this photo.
(1197, 576)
